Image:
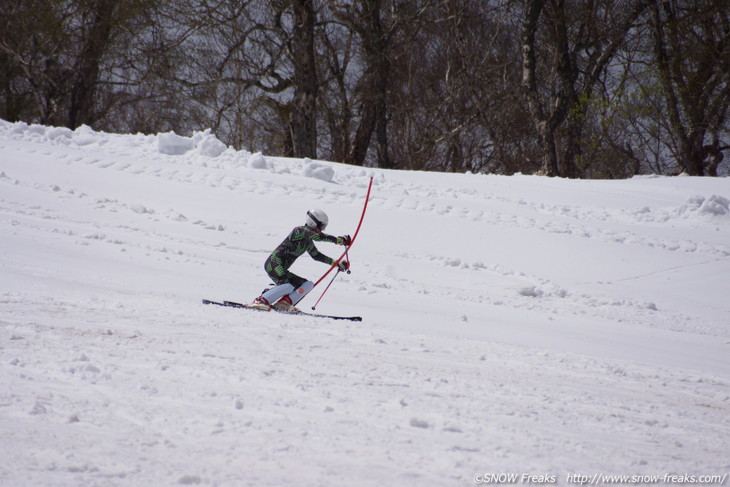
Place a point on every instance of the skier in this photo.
(289, 288)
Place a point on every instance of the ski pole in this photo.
(314, 306)
(347, 259)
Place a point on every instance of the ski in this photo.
(233, 304)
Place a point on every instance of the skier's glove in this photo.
(343, 265)
(344, 240)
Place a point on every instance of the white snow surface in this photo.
(511, 325)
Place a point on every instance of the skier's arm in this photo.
(323, 237)
(319, 256)
(342, 240)
(343, 264)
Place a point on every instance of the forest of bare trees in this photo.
(572, 88)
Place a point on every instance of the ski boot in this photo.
(261, 303)
(284, 304)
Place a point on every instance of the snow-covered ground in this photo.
(512, 325)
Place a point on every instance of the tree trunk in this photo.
(545, 129)
(363, 135)
(303, 124)
(374, 111)
(87, 68)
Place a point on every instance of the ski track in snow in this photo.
(512, 324)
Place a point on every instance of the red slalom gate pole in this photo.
(344, 254)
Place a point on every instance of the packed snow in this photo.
(514, 327)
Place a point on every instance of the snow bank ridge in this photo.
(203, 143)
(197, 149)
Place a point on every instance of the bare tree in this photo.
(255, 62)
(692, 55)
(365, 18)
(453, 89)
(35, 48)
(61, 55)
(560, 71)
(339, 70)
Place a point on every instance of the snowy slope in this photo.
(512, 325)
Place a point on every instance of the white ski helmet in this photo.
(317, 220)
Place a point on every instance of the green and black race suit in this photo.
(300, 240)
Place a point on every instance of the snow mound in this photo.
(82, 136)
(210, 146)
(257, 161)
(176, 145)
(711, 206)
(318, 170)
